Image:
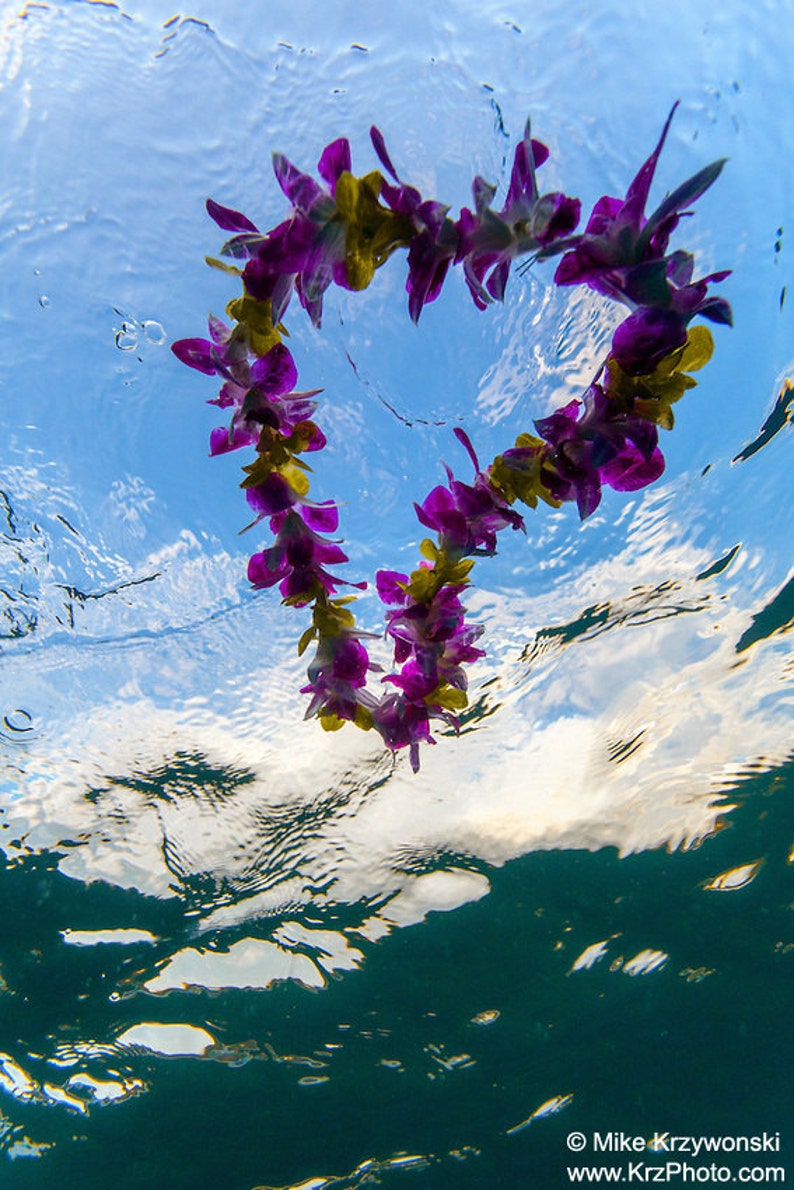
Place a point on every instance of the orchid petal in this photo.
(300, 188)
(683, 195)
(322, 517)
(379, 145)
(229, 219)
(335, 161)
(637, 193)
(196, 353)
(632, 470)
(273, 495)
(390, 585)
(275, 373)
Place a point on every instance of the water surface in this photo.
(237, 951)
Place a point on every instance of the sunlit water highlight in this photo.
(237, 951)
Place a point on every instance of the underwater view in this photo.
(396, 753)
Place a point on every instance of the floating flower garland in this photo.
(341, 234)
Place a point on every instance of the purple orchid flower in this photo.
(223, 354)
(651, 332)
(299, 555)
(603, 445)
(622, 254)
(432, 643)
(467, 517)
(306, 251)
(423, 630)
(274, 283)
(339, 235)
(270, 497)
(297, 433)
(261, 395)
(303, 254)
(403, 724)
(258, 393)
(337, 676)
(435, 243)
(438, 662)
(643, 339)
(528, 223)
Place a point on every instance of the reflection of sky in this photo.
(150, 725)
(616, 711)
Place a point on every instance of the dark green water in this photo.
(700, 1046)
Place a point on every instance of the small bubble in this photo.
(44, 302)
(154, 331)
(17, 726)
(127, 338)
(18, 720)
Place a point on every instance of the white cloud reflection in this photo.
(171, 1041)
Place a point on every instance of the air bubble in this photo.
(127, 338)
(17, 726)
(18, 720)
(154, 332)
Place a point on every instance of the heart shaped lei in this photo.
(340, 234)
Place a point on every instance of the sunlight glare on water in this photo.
(242, 950)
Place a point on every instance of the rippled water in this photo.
(235, 951)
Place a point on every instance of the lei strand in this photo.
(341, 234)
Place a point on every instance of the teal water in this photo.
(237, 952)
(449, 1036)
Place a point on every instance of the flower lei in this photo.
(342, 234)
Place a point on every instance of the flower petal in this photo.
(229, 219)
(335, 161)
(275, 373)
(631, 470)
(196, 353)
(390, 585)
(322, 517)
